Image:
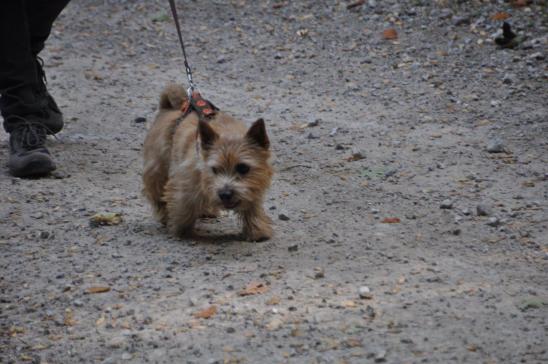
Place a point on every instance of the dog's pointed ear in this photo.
(208, 136)
(257, 134)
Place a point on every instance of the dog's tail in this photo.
(172, 97)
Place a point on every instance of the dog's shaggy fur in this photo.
(194, 168)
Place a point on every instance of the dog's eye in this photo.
(242, 168)
(215, 170)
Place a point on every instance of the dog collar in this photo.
(205, 109)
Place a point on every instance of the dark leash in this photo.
(195, 102)
(187, 66)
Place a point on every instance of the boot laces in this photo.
(31, 134)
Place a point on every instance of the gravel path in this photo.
(409, 201)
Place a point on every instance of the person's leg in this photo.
(17, 66)
(25, 105)
(41, 15)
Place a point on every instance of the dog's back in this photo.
(157, 147)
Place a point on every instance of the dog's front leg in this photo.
(257, 226)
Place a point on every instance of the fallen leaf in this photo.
(355, 4)
(274, 300)
(390, 220)
(501, 15)
(98, 289)
(253, 288)
(390, 34)
(100, 321)
(109, 218)
(349, 304)
(206, 313)
(521, 3)
(69, 319)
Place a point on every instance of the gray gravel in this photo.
(446, 284)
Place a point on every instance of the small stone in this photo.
(283, 217)
(314, 123)
(44, 235)
(339, 147)
(380, 356)
(493, 221)
(466, 212)
(446, 204)
(140, 120)
(293, 248)
(333, 132)
(311, 136)
(365, 292)
(460, 20)
(127, 356)
(495, 146)
(319, 273)
(116, 342)
(275, 324)
(370, 312)
(483, 210)
(456, 232)
(508, 79)
(537, 55)
(230, 330)
(78, 303)
(221, 60)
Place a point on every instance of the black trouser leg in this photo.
(41, 15)
(17, 66)
(24, 27)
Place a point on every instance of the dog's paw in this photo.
(259, 235)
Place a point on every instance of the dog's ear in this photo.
(257, 134)
(208, 136)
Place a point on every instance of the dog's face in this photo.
(237, 172)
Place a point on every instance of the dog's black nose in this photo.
(225, 194)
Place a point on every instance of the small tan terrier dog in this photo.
(194, 168)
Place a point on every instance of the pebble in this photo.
(293, 248)
(446, 204)
(140, 120)
(78, 303)
(127, 356)
(495, 146)
(274, 325)
(460, 20)
(116, 342)
(365, 292)
(314, 123)
(283, 217)
(380, 356)
(493, 221)
(537, 55)
(319, 273)
(508, 79)
(333, 131)
(483, 210)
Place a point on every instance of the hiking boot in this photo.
(28, 154)
(31, 102)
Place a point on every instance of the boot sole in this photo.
(35, 168)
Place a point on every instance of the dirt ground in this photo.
(415, 168)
